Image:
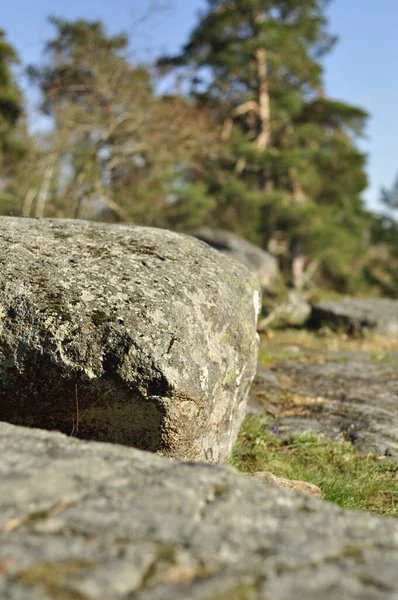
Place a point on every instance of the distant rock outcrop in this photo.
(90, 521)
(347, 397)
(355, 314)
(294, 310)
(260, 262)
(125, 334)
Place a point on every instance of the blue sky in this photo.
(362, 69)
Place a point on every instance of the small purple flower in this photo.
(275, 430)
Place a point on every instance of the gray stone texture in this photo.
(355, 314)
(125, 334)
(260, 262)
(352, 399)
(92, 521)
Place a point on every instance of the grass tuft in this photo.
(345, 477)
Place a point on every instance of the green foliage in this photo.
(190, 206)
(353, 480)
(382, 272)
(389, 197)
(10, 98)
(255, 146)
(289, 167)
(116, 148)
(345, 477)
(13, 137)
(67, 75)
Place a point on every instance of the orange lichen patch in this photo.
(301, 487)
(295, 412)
(181, 574)
(11, 525)
(6, 564)
(305, 400)
(38, 515)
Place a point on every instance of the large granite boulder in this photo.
(260, 262)
(125, 334)
(90, 521)
(356, 314)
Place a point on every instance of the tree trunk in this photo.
(80, 194)
(44, 188)
(298, 272)
(28, 201)
(264, 109)
(298, 194)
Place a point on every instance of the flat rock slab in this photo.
(378, 314)
(357, 400)
(91, 521)
(125, 334)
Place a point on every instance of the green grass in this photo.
(314, 344)
(345, 477)
(270, 359)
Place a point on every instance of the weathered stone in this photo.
(356, 401)
(294, 310)
(298, 310)
(301, 487)
(92, 521)
(355, 314)
(260, 262)
(125, 334)
(265, 376)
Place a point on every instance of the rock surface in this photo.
(292, 311)
(301, 487)
(378, 314)
(125, 334)
(91, 521)
(348, 397)
(298, 309)
(260, 262)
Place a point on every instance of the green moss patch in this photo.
(54, 577)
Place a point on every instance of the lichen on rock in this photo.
(125, 334)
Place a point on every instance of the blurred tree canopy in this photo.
(12, 130)
(289, 175)
(246, 140)
(114, 147)
(383, 266)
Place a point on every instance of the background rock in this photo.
(357, 401)
(298, 309)
(90, 521)
(294, 310)
(266, 377)
(260, 262)
(125, 334)
(354, 314)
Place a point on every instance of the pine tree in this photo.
(290, 175)
(383, 271)
(389, 196)
(12, 132)
(10, 97)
